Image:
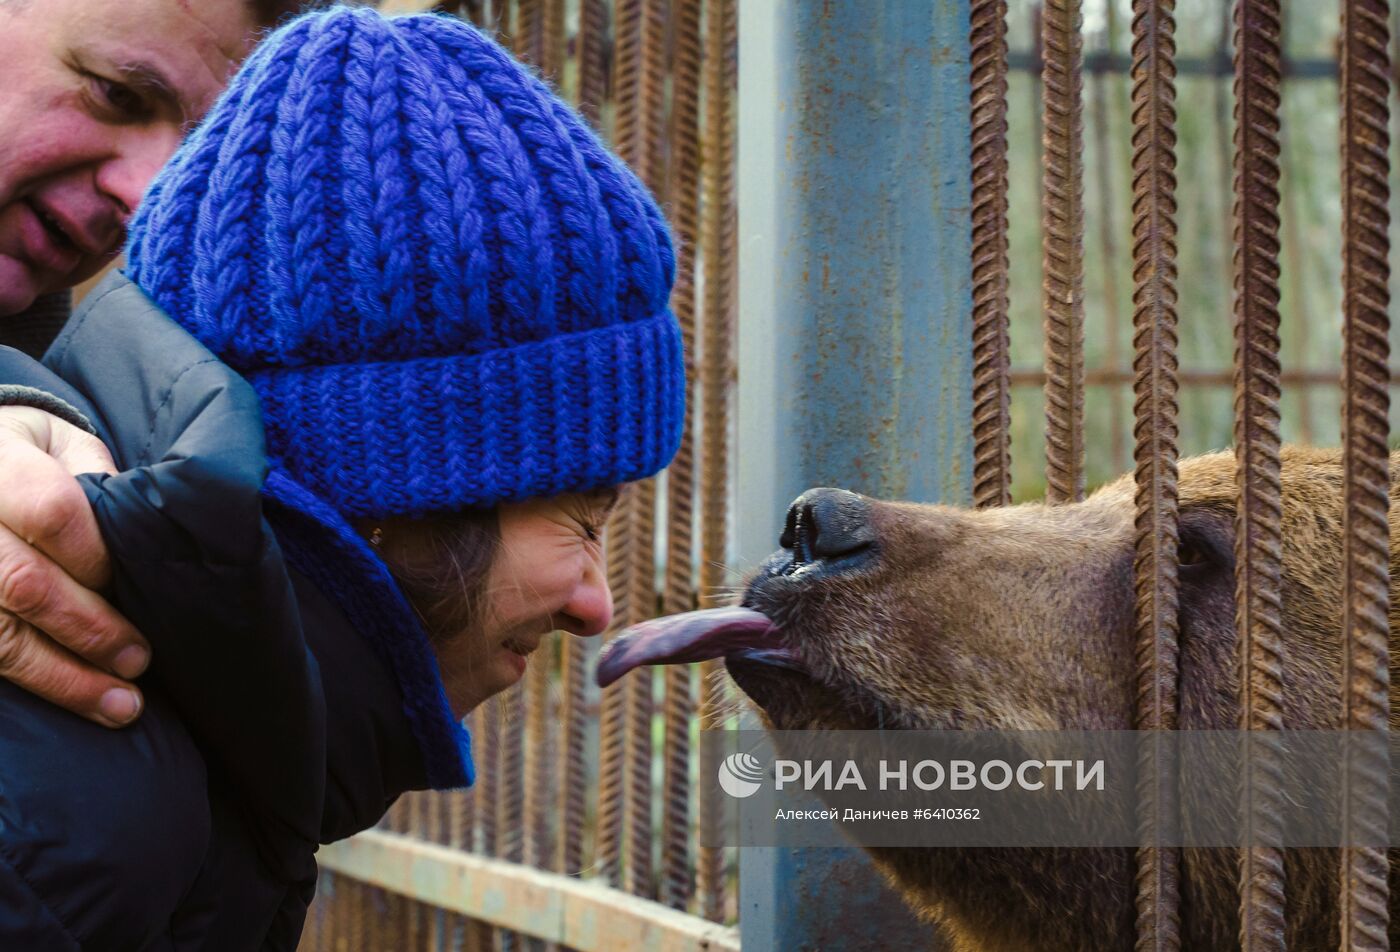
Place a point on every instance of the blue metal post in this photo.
(854, 333)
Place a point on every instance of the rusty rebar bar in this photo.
(571, 753)
(594, 58)
(991, 305)
(619, 714)
(417, 813)
(677, 882)
(628, 132)
(539, 778)
(379, 928)
(509, 802)
(555, 49)
(1155, 455)
(1365, 142)
(641, 705)
(459, 822)
(572, 765)
(1259, 508)
(683, 191)
(488, 780)
(652, 92)
(607, 848)
(436, 822)
(641, 141)
(407, 921)
(1062, 243)
(357, 897)
(717, 243)
(464, 820)
(527, 38)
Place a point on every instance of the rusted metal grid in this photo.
(1310, 291)
(1365, 72)
(565, 830)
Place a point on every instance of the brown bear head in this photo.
(897, 615)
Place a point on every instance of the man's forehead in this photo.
(229, 25)
(192, 47)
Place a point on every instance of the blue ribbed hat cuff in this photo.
(570, 413)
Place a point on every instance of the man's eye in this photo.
(121, 99)
(591, 531)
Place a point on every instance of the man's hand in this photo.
(58, 638)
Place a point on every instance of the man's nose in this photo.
(827, 524)
(125, 176)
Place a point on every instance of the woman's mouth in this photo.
(518, 653)
(522, 648)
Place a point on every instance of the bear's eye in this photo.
(1189, 553)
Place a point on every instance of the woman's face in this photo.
(549, 574)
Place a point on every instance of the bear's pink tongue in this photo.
(691, 636)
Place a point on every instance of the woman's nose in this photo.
(590, 609)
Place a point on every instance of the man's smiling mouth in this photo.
(57, 233)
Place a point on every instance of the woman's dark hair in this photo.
(441, 562)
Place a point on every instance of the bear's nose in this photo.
(826, 524)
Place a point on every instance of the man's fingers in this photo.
(34, 588)
(78, 450)
(58, 639)
(41, 666)
(41, 503)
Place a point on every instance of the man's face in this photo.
(94, 97)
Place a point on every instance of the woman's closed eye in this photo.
(594, 510)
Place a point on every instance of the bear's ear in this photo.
(1206, 544)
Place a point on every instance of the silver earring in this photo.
(376, 536)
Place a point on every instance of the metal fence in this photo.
(1365, 380)
(584, 804)
(1310, 235)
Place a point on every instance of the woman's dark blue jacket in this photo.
(270, 725)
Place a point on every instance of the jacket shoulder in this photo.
(102, 833)
(159, 395)
(196, 565)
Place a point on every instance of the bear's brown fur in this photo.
(1022, 619)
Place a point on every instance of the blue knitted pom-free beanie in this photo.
(446, 292)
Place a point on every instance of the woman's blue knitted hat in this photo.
(446, 292)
